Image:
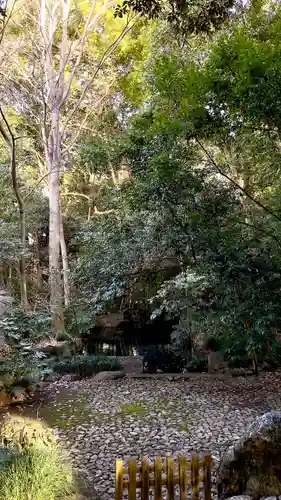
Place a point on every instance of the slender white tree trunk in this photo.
(54, 250)
(65, 264)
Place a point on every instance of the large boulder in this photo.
(59, 350)
(101, 376)
(253, 465)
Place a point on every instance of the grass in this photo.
(132, 409)
(184, 427)
(37, 473)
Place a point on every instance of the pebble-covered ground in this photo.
(99, 422)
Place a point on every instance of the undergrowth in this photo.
(86, 366)
(37, 473)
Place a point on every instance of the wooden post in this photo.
(158, 479)
(207, 477)
(145, 480)
(176, 474)
(170, 478)
(132, 480)
(119, 480)
(195, 477)
(183, 477)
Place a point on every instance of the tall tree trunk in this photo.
(23, 285)
(11, 143)
(54, 245)
(65, 264)
(37, 265)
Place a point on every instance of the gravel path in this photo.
(135, 417)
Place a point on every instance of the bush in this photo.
(86, 366)
(37, 473)
(21, 432)
(18, 325)
(157, 358)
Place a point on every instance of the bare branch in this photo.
(81, 126)
(82, 42)
(11, 143)
(6, 19)
(36, 185)
(104, 57)
(223, 174)
(104, 212)
(82, 195)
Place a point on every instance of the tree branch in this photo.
(82, 195)
(37, 184)
(105, 56)
(82, 43)
(223, 174)
(260, 229)
(6, 18)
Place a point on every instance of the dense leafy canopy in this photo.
(171, 192)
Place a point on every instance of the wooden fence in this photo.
(182, 476)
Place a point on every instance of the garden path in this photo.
(98, 422)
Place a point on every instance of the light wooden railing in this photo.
(182, 475)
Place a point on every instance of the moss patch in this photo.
(66, 411)
(132, 409)
(184, 427)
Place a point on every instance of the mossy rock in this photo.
(59, 350)
(22, 432)
(7, 378)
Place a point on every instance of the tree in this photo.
(203, 154)
(58, 61)
(188, 15)
(10, 140)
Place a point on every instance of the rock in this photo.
(241, 497)
(253, 465)
(109, 375)
(60, 349)
(18, 394)
(71, 377)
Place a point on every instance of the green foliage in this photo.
(22, 368)
(192, 16)
(79, 318)
(132, 409)
(18, 325)
(245, 70)
(86, 366)
(35, 473)
(196, 228)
